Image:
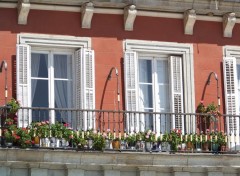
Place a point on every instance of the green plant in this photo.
(8, 134)
(209, 112)
(175, 138)
(149, 136)
(221, 138)
(57, 130)
(13, 106)
(99, 142)
(131, 139)
(25, 139)
(139, 136)
(43, 129)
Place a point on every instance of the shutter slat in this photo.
(177, 91)
(231, 93)
(88, 87)
(23, 57)
(78, 89)
(130, 73)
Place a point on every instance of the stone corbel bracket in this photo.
(23, 11)
(229, 21)
(189, 21)
(130, 14)
(87, 11)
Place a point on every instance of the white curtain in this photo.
(35, 66)
(163, 96)
(145, 91)
(63, 85)
(62, 70)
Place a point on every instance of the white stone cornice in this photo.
(189, 21)
(130, 14)
(229, 21)
(87, 11)
(23, 10)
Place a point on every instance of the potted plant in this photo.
(25, 139)
(56, 134)
(9, 138)
(140, 144)
(222, 140)
(12, 106)
(99, 142)
(108, 139)
(44, 133)
(131, 141)
(116, 143)
(175, 139)
(209, 113)
(149, 138)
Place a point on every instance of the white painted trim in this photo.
(54, 40)
(115, 12)
(186, 51)
(229, 51)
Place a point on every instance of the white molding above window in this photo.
(186, 52)
(54, 40)
(231, 51)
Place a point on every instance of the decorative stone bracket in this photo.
(87, 11)
(229, 21)
(130, 14)
(23, 10)
(189, 21)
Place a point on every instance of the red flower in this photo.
(66, 124)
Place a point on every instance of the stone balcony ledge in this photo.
(124, 161)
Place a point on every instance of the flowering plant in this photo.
(99, 142)
(211, 110)
(131, 138)
(24, 137)
(13, 106)
(149, 136)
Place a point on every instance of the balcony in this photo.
(164, 127)
(70, 160)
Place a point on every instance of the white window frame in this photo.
(51, 78)
(186, 51)
(232, 52)
(60, 43)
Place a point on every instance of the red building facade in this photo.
(109, 40)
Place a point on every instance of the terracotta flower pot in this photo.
(116, 144)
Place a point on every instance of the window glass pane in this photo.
(164, 98)
(162, 91)
(148, 120)
(145, 71)
(63, 99)
(62, 66)
(39, 65)
(40, 99)
(63, 94)
(145, 96)
(162, 71)
(238, 77)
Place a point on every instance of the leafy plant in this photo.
(99, 142)
(13, 106)
(25, 139)
(149, 136)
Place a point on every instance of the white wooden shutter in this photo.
(130, 74)
(23, 81)
(85, 87)
(176, 91)
(78, 89)
(231, 94)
